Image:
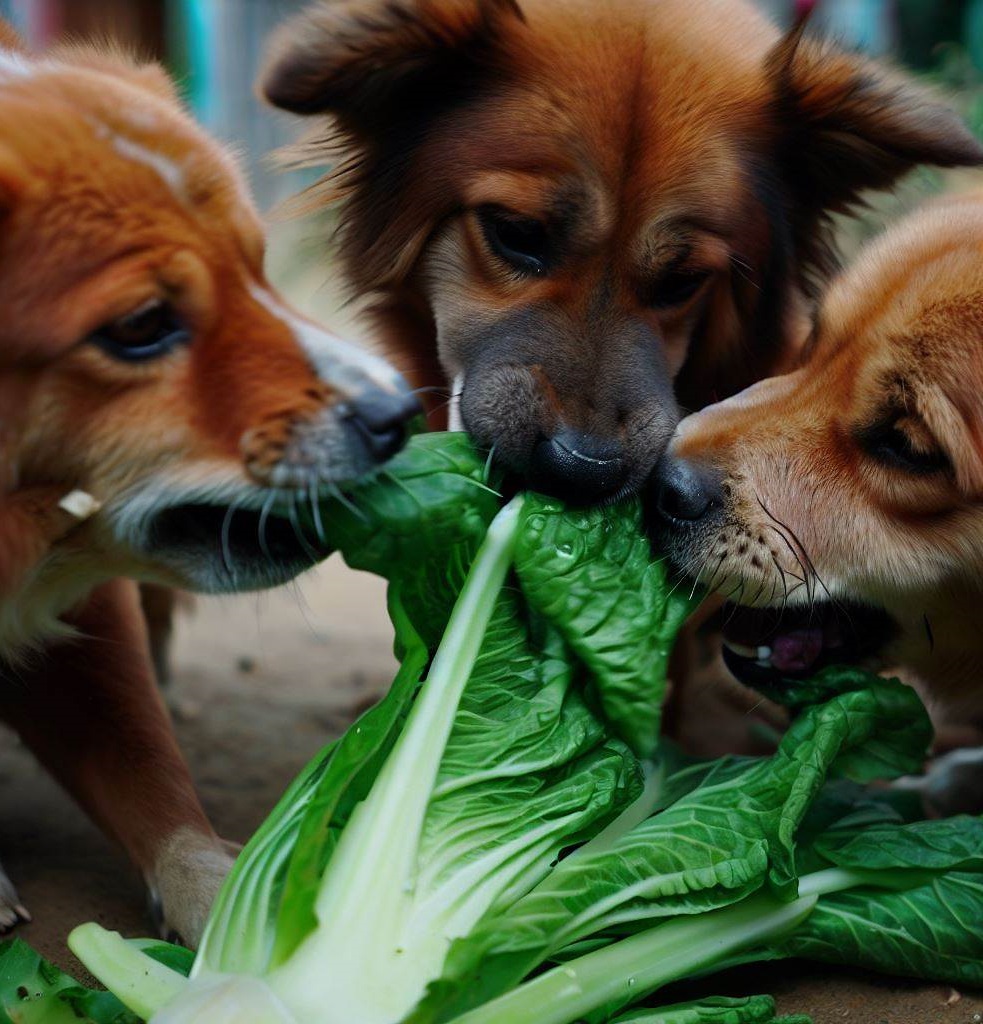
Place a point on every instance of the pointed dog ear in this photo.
(348, 58)
(850, 125)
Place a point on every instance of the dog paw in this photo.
(12, 911)
(952, 784)
(187, 876)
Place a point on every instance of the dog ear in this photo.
(349, 57)
(851, 125)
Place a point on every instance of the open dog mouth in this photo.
(762, 646)
(224, 547)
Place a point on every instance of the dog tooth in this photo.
(80, 504)
(764, 653)
(741, 649)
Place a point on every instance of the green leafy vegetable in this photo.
(713, 847)
(750, 1010)
(591, 574)
(502, 840)
(34, 991)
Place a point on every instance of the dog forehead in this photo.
(627, 67)
(932, 334)
(78, 126)
(629, 102)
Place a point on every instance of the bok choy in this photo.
(503, 839)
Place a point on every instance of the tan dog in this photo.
(161, 413)
(579, 213)
(842, 505)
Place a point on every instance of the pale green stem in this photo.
(139, 982)
(627, 970)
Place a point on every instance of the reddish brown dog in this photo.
(843, 504)
(586, 215)
(150, 376)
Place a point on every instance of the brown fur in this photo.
(111, 199)
(898, 346)
(649, 138)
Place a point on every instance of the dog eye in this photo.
(891, 446)
(150, 331)
(520, 241)
(676, 287)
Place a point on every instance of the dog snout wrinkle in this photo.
(578, 468)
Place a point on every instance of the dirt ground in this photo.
(261, 683)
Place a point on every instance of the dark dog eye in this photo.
(892, 447)
(521, 242)
(676, 287)
(149, 332)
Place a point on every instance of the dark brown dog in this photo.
(584, 213)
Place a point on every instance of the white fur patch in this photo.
(80, 504)
(454, 419)
(15, 65)
(340, 363)
(170, 172)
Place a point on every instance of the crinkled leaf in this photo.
(521, 712)
(716, 845)
(522, 739)
(418, 523)
(720, 1010)
(34, 991)
(950, 844)
(590, 572)
(929, 932)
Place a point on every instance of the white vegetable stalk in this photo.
(238, 999)
(138, 981)
(630, 969)
(366, 962)
(377, 946)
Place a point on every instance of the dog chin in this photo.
(224, 549)
(223, 536)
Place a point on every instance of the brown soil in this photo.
(261, 683)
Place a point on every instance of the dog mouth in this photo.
(763, 646)
(224, 548)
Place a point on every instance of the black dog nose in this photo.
(578, 468)
(685, 491)
(380, 418)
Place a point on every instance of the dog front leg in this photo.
(12, 911)
(90, 711)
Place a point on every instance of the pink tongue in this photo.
(796, 651)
